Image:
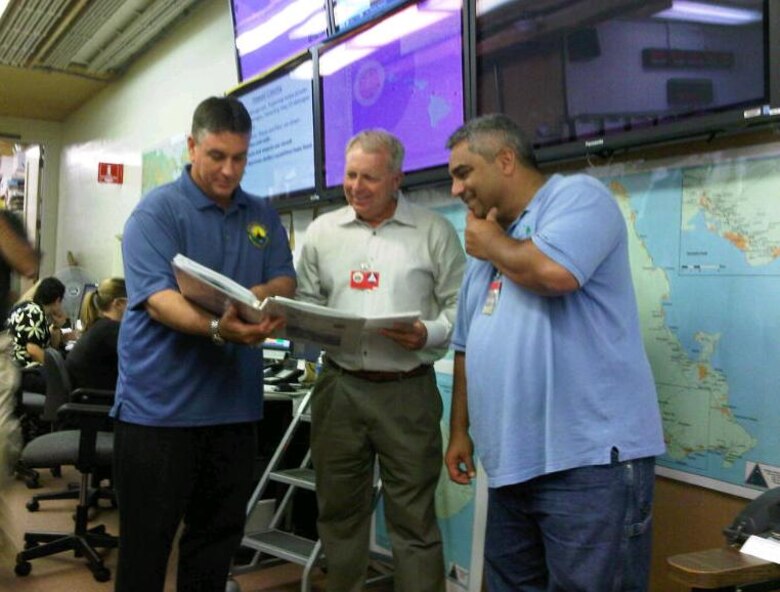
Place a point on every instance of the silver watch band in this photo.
(214, 332)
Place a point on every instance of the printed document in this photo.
(331, 329)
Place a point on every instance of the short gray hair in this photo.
(487, 134)
(376, 140)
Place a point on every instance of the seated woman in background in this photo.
(35, 325)
(93, 361)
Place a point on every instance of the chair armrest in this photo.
(89, 419)
(92, 395)
(86, 416)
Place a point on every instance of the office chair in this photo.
(61, 446)
(29, 411)
(88, 447)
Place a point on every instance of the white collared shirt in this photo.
(420, 264)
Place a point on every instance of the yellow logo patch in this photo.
(258, 235)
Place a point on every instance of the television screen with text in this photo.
(281, 150)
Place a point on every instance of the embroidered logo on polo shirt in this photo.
(258, 235)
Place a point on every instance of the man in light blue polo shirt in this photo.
(550, 372)
(190, 387)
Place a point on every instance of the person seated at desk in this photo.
(93, 361)
(35, 325)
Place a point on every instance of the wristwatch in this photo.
(214, 332)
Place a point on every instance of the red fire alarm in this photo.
(110, 172)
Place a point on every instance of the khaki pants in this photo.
(10, 438)
(10, 435)
(355, 421)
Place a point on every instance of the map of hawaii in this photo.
(693, 395)
(737, 202)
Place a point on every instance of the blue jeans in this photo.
(582, 530)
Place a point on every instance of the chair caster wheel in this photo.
(23, 568)
(32, 505)
(56, 471)
(32, 482)
(232, 586)
(102, 574)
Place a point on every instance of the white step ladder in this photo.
(273, 543)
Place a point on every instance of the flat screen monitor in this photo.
(280, 164)
(349, 13)
(269, 32)
(403, 73)
(629, 74)
(276, 349)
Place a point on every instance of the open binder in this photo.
(331, 329)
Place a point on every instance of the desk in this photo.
(723, 569)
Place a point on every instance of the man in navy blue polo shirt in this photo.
(190, 391)
(551, 376)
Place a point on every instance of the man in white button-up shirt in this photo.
(380, 255)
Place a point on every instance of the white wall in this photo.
(153, 101)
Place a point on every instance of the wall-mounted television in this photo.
(349, 13)
(269, 32)
(280, 164)
(596, 77)
(404, 73)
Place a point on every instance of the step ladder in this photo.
(274, 544)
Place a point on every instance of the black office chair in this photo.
(88, 447)
(62, 444)
(29, 411)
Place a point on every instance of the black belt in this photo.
(380, 375)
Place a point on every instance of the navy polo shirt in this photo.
(168, 378)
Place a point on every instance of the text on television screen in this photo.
(281, 150)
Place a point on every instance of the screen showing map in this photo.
(281, 151)
(268, 32)
(403, 74)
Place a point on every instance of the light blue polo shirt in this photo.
(167, 378)
(555, 383)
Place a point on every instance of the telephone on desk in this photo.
(281, 376)
(285, 375)
(760, 517)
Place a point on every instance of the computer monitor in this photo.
(276, 348)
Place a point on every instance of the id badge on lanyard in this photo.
(363, 278)
(494, 291)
